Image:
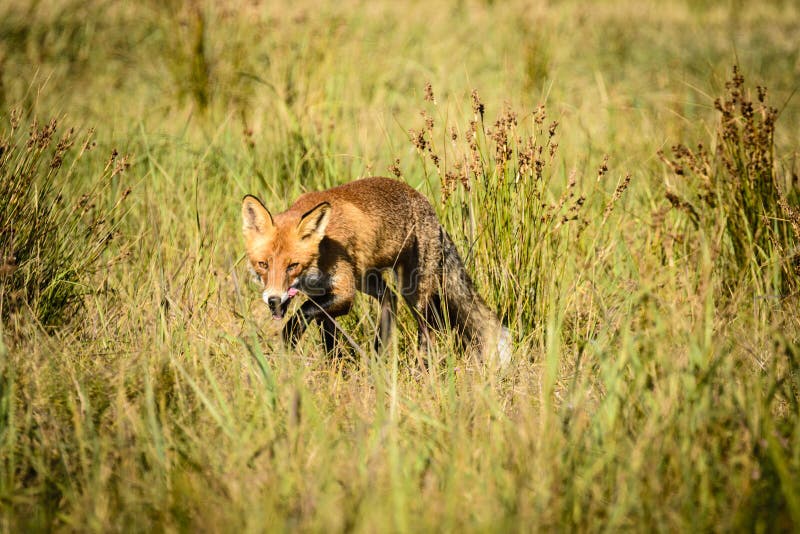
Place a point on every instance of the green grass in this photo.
(656, 374)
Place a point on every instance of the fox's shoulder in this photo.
(375, 194)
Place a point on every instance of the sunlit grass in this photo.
(655, 375)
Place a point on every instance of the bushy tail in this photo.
(467, 311)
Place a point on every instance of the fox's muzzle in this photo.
(278, 303)
(274, 303)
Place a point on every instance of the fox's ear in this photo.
(314, 222)
(255, 217)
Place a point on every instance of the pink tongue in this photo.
(292, 292)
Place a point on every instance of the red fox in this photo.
(331, 243)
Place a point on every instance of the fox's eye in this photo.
(291, 267)
(263, 265)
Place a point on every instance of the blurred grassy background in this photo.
(655, 383)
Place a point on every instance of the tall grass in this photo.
(739, 194)
(654, 383)
(49, 244)
(508, 162)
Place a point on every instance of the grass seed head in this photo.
(429, 93)
(477, 106)
(394, 168)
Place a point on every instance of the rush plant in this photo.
(49, 244)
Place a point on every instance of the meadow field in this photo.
(621, 179)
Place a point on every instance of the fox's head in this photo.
(283, 253)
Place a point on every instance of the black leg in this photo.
(429, 317)
(310, 310)
(375, 286)
(386, 322)
(294, 329)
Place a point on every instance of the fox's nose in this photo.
(274, 303)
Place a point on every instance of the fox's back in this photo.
(376, 196)
(375, 219)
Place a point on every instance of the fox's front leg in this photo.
(336, 302)
(311, 310)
